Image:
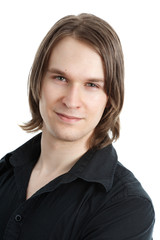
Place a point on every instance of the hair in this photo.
(101, 36)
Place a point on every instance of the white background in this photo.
(23, 24)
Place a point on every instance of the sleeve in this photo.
(129, 219)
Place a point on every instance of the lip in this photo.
(68, 118)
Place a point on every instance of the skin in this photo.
(72, 96)
(72, 103)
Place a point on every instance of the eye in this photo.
(60, 78)
(93, 85)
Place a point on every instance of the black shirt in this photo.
(97, 199)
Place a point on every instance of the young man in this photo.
(66, 182)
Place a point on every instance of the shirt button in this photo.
(18, 218)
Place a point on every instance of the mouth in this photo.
(68, 118)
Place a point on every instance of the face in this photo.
(72, 94)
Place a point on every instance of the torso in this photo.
(36, 182)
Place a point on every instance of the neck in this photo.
(58, 155)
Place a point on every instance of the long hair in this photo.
(101, 36)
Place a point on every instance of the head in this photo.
(100, 36)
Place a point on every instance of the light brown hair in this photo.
(100, 35)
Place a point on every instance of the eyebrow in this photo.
(56, 70)
(63, 73)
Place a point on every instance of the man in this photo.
(66, 182)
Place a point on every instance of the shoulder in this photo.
(23, 154)
(126, 212)
(6, 169)
(128, 184)
(129, 192)
(130, 204)
(4, 162)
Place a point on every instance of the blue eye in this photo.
(92, 85)
(60, 78)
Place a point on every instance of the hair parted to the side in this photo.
(101, 36)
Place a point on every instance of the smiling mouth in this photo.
(67, 118)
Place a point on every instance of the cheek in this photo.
(47, 96)
(45, 101)
(99, 102)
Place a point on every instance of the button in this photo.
(18, 218)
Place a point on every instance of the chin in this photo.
(72, 137)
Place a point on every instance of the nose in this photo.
(72, 98)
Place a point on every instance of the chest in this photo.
(55, 207)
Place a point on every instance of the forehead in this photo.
(73, 54)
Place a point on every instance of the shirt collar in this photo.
(27, 153)
(97, 166)
(94, 166)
